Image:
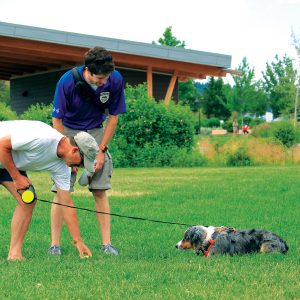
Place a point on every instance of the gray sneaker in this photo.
(109, 249)
(54, 250)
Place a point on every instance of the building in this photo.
(33, 59)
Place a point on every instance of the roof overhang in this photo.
(26, 50)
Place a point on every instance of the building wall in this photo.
(40, 88)
(33, 89)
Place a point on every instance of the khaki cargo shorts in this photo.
(101, 179)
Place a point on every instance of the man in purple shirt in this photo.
(84, 97)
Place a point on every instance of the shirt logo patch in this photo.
(104, 96)
(55, 110)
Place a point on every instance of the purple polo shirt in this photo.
(79, 114)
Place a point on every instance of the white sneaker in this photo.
(85, 178)
(109, 249)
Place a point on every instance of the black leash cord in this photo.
(116, 215)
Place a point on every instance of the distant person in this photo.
(85, 96)
(35, 146)
(246, 129)
(235, 127)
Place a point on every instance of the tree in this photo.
(169, 40)
(296, 44)
(188, 93)
(279, 81)
(247, 95)
(214, 99)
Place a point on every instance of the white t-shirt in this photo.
(34, 148)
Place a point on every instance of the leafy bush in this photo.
(228, 125)
(150, 133)
(157, 156)
(238, 158)
(263, 130)
(235, 152)
(39, 112)
(212, 122)
(183, 158)
(6, 113)
(255, 122)
(245, 120)
(4, 92)
(284, 132)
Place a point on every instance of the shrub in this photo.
(183, 158)
(256, 121)
(263, 130)
(238, 159)
(245, 120)
(39, 112)
(150, 133)
(6, 113)
(284, 132)
(228, 125)
(4, 92)
(235, 153)
(212, 122)
(157, 156)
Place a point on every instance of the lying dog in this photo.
(226, 240)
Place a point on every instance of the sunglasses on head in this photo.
(100, 61)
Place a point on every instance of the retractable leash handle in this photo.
(29, 195)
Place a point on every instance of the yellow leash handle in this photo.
(29, 195)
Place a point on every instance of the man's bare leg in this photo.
(101, 204)
(56, 222)
(19, 223)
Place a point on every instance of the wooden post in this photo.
(171, 88)
(149, 82)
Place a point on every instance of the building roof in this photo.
(27, 50)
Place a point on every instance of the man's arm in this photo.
(71, 220)
(107, 136)
(58, 125)
(20, 181)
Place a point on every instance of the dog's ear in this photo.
(197, 237)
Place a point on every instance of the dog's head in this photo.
(194, 238)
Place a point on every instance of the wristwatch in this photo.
(103, 148)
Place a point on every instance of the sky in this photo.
(256, 29)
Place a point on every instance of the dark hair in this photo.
(99, 61)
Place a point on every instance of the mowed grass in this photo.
(149, 266)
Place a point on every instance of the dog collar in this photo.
(211, 243)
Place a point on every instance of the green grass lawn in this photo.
(149, 266)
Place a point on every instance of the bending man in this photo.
(33, 145)
(82, 98)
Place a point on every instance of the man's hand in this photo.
(99, 162)
(70, 218)
(83, 250)
(22, 182)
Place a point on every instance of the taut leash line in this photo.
(116, 215)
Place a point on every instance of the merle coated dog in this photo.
(227, 240)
